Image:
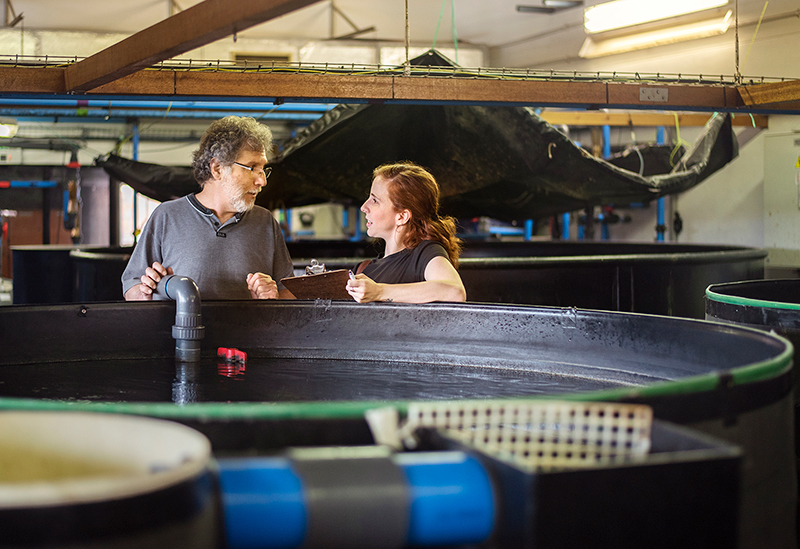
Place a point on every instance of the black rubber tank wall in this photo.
(314, 368)
(663, 279)
(770, 305)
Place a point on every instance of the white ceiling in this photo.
(490, 23)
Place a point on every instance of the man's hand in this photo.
(150, 279)
(262, 286)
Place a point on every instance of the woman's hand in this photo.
(442, 283)
(363, 289)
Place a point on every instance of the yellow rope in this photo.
(678, 140)
(750, 47)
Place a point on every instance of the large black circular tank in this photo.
(771, 305)
(314, 362)
(763, 304)
(664, 279)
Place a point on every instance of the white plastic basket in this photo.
(541, 435)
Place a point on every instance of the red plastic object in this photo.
(231, 354)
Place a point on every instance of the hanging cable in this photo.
(453, 23)
(678, 140)
(635, 147)
(738, 76)
(758, 26)
(438, 23)
(407, 65)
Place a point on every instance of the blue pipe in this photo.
(528, 229)
(254, 105)
(23, 113)
(606, 141)
(357, 231)
(265, 500)
(660, 215)
(135, 194)
(28, 184)
(565, 226)
(263, 503)
(451, 498)
(136, 142)
(661, 219)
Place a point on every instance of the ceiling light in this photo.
(534, 9)
(593, 47)
(550, 6)
(562, 4)
(627, 13)
(8, 127)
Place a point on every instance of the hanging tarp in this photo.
(502, 162)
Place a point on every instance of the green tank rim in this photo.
(758, 371)
(748, 301)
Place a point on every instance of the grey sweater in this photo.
(186, 236)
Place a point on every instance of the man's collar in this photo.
(205, 211)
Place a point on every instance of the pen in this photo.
(352, 276)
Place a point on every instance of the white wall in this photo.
(75, 44)
(727, 208)
(782, 192)
(774, 51)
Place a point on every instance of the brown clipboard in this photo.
(327, 285)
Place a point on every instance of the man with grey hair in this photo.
(218, 237)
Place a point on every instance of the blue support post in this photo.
(357, 231)
(565, 226)
(606, 141)
(135, 194)
(528, 229)
(661, 221)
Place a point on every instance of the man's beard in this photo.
(240, 200)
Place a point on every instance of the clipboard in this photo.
(327, 285)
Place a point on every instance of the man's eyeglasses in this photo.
(257, 171)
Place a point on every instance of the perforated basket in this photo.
(542, 435)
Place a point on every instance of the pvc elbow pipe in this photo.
(188, 329)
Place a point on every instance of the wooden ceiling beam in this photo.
(175, 83)
(343, 87)
(595, 118)
(190, 29)
(770, 94)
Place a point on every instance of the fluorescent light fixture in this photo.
(562, 4)
(549, 6)
(597, 48)
(627, 13)
(8, 127)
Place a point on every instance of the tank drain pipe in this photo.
(188, 329)
(336, 497)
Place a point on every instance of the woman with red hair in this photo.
(421, 255)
